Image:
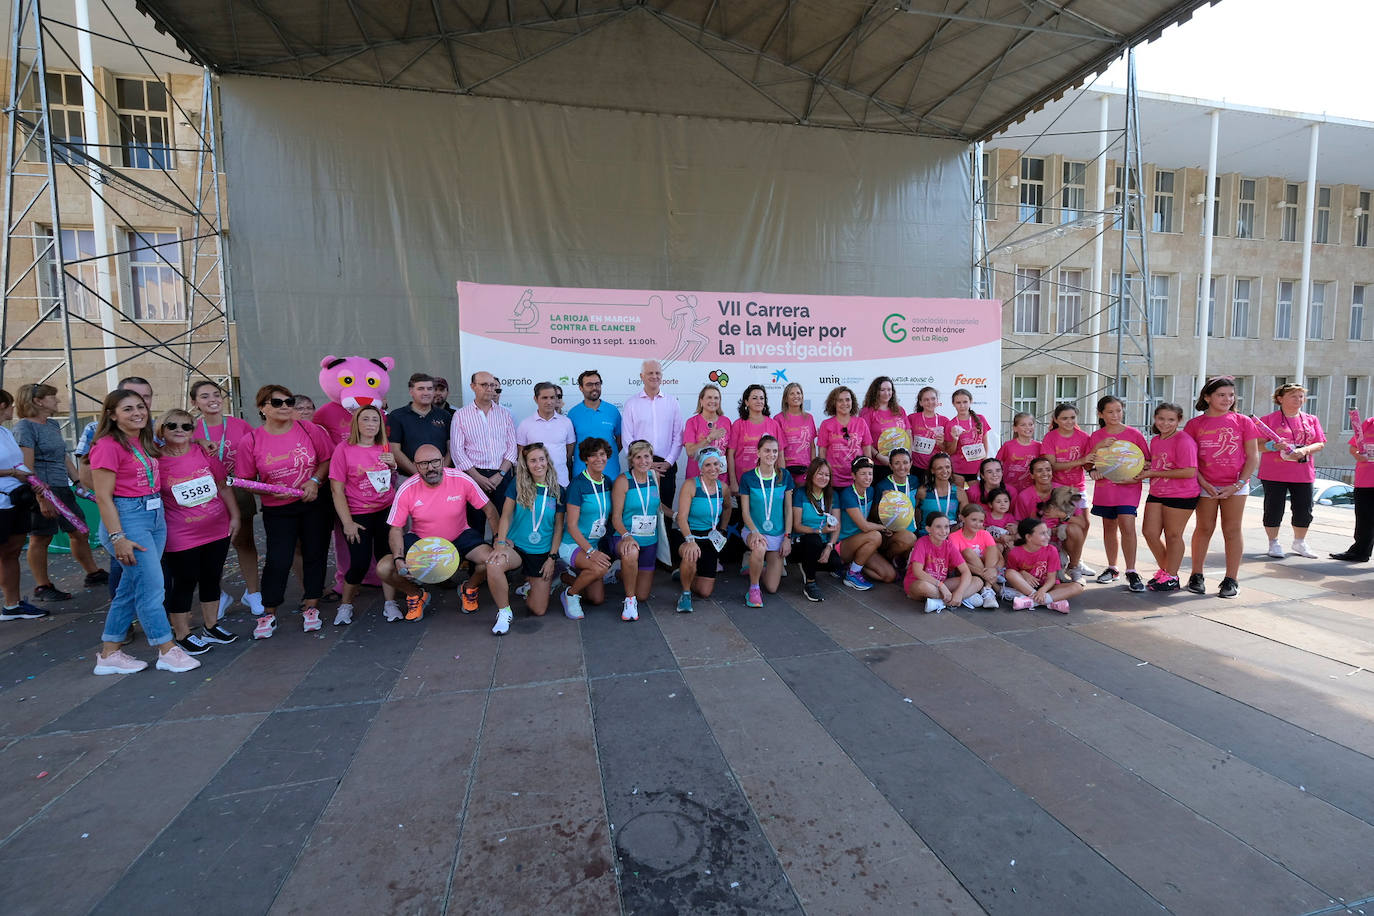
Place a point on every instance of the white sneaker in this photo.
(572, 605)
(344, 615)
(310, 619)
(611, 573)
(391, 612)
(266, 626)
(1085, 570)
(176, 661)
(1276, 550)
(934, 605)
(253, 601)
(631, 611)
(1301, 549)
(225, 601)
(973, 601)
(523, 590)
(1009, 593)
(117, 662)
(989, 597)
(503, 619)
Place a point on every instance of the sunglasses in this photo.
(282, 402)
(845, 430)
(184, 427)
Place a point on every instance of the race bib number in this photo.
(1369, 451)
(643, 525)
(380, 480)
(830, 520)
(923, 446)
(154, 502)
(598, 530)
(717, 539)
(196, 492)
(974, 452)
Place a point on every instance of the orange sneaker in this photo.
(469, 600)
(415, 605)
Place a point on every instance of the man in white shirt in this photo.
(656, 418)
(549, 427)
(482, 442)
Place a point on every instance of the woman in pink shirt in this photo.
(1016, 453)
(1286, 468)
(1117, 503)
(219, 436)
(966, 438)
(1032, 566)
(755, 422)
(798, 433)
(1173, 494)
(202, 517)
(361, 478)
(928, 429)
(843, 437)
(934, 563)
(1227, 455)
(706, 428)
(882, 412)
(289, 453)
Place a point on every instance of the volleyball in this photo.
(1118, 460)
(893, 437)
(895, 511)
(432, 560)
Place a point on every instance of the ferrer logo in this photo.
(976, 381)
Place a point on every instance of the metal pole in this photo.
(1099, 301)
(1305, 287)
(1204, 288)
(210, 129)
(100, 229)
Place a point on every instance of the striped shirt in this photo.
(481, 440)
(656, 420)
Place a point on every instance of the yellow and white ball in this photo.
(432, 560)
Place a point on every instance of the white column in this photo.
(1096, 301)
(1305, 285)
(100, 229)
(1204, 288)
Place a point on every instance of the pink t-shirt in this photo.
(839, 451)
(1364, 470)
(1026, 505)
(798, 435)
(1040, 565)
(744, 439)
(1304, 429)
(1072, 447)
(1177, 451)
(970, 446)
(440, 511)
(974, 491)
(224, 439)
(287, 459)
(1004, 523)
(131, 474)
(1107, 493)
(1221, 445)
(1016, 457)
(979, 544)
(185, 479)
(927, 437)
(938, 560)
(879, 420)
(349, 465)
(335, 420)
(695, 430)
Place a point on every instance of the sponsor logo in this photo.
(780, 375)
(828, 379)
(965, 380)
(718, 377)
(894, 327)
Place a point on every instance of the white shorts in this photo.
(774, 541)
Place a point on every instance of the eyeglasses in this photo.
(434, 463)
(184, 427)
(282, 402)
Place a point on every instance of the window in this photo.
(1070, 312)
(1068, 389)
(1240, 306)
(66, 114)
(1122, 200)
(1032, 190)
(1245, 209)
(154, 275)
(1025, 394)
(77, 245)
(145, 130)
(1314, 386)
(1074, 195)
(1290, 213)
(1321, 229)
(1362, 222)
(985, 202)
(1026, 319)
(1357, 312)
(1216, 324)
(1316, 312)
(1243, 386)
(1161, 389)
(1352, 402)
(1134, 297)
(1160, 305)
(1164, 202)
(1283, 311)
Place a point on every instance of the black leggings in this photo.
(808, 551)
(184, 570)
(373, 544)
(1275, 493)
(312, 524)
(1364, 522)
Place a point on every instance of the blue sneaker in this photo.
(684, 603)
(856, 580)
(23, 611)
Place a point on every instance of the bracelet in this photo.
(315, 480)
(116, 537)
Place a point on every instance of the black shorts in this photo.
(709, 559)
(1174, 502)
(43, 526)
(531, 564)
(12, 522)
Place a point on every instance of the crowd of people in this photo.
(571, 499)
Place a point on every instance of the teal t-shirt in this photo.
(813, 511)
(704, 513)
(531, 529)
(593, 500)
(852, 498)
(640, 499)
(908, 489)
(767, 499)
(945, 505)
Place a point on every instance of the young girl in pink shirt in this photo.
(1228, 454)
(1116, 503)
(1000, 521)
(981, 553)
(990, 477)
(934, 564)
(1031, 570)
(1067, 448)
(1017, 452)
(928, 429)
(966, 439)
(1173, 494)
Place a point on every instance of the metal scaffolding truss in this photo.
(38, 157)
(1111, 343)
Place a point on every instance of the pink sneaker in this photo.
(117, 662)
(311, 617)
(176, 661)
(266, 626)
(1022, 603)
(1061, 606)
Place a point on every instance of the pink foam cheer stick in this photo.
(46, 492)
(1358, 425)
(1287, 447)
(271, 489)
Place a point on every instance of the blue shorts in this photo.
(1113, 511)
(648, 553)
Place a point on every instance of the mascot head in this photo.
(356, 381)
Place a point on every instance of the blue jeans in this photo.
(141, 589)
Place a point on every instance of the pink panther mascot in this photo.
(350, 382)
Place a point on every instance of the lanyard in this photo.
(147, 468)
(224, 436)
(904, 489)
(943, 506)
(768, 494)
(863, 500)
(599, 494)
(817, 504)
(1302, 428)
(714, 508)
(541, 498)
(640, 491)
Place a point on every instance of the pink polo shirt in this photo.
(440, 511)
(1364, 470)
